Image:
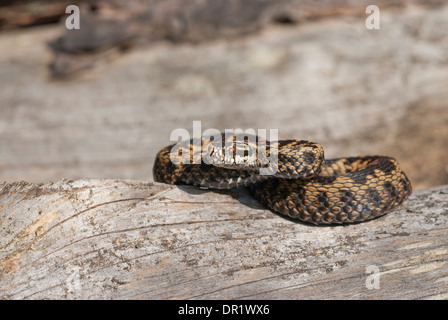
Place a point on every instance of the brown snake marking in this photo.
(306, 187)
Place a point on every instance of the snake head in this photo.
(238, 151)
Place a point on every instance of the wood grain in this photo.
(122, 239)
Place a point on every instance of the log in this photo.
(123, 239)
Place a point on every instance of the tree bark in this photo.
(117, 239)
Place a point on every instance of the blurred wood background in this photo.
(326, 79)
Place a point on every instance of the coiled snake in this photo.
(305, 186)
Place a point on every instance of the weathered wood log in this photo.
(116, 239)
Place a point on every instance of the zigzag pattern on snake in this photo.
(305, 186)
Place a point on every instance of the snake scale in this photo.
(305, 186)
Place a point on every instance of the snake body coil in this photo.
(305, 186)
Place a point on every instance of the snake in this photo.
(302, 184)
